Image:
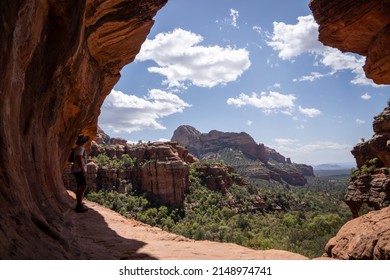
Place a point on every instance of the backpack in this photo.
(71, 156)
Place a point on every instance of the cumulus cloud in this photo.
(182, 60)
(291, 41)
(309, 112)
(122, 113)
(314, 152)
(366, 96)
(273, 102)
(268, 101)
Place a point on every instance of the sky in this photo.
(246, 66)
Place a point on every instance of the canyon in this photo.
(250, 159)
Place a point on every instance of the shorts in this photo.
(80, 179)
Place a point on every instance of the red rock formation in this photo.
(201, 143)
(366, 237)
(370, 184)
(58, 59)
(362, 27)
(273, 165)
(218, 177)
(160, 169)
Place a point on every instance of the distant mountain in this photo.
(334, 166)
(250, 159)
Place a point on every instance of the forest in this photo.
(297, 219)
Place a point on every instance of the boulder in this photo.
(363, 238)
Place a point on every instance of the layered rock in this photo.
(158, 168)
(362, 27)
(59, 60)
(266, 163)
(202, 143)
(370, 184)
(363, 238)
(219, 177)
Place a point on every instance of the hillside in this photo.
(250, 159)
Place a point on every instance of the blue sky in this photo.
(247, 66)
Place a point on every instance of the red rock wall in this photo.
(359, 26)
(362, 27)
(59, 60)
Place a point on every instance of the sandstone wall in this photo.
(59, 60)
(363, 27)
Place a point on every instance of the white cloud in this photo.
(310, 112)
(311, 78)
(234, 14)
(291, 41)
(122, 113)
(269, 102)
(359, 121)
(257, 29)
(315, 152)
(285, 141)
(249, 122)
(366, 96)
(182, 60)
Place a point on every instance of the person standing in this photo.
(79, 170)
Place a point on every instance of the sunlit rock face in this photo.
(362, 27)
(277, 167)
(58, 60)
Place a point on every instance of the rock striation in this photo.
(362, 27)
(202, 143)
(160, 169)
(363, 238)
(370, 183)
(266, 163)
(59, 60)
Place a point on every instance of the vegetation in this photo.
(298, 219)
(367, 168)
(103, 160)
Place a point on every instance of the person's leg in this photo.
(80, 191)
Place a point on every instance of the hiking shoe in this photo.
(80, 208)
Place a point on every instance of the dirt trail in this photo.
(101, 233)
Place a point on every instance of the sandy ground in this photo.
(101, 233)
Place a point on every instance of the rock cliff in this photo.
(363, 27)
(263, 162)
(59, 60)
(160, 169)
(370, 183)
